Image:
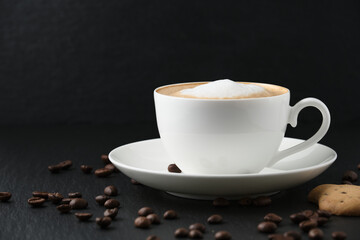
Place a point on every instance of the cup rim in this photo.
(219, 100)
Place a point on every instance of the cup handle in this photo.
(294, 112)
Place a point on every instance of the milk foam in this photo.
(224, 88)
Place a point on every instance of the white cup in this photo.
(230, 136)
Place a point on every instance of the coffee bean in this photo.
(5, 196)
(346, 182)
(294, 234)
(83, 216)
(40, 194)
(323, 213)
(181, 233)
(103, 222)
(112, 203)
(321, 221)
(86, 169)
(75, 195)
(65, 164)
(245, 202)
(103, 172)
(338, 235)
(316, 233)
(221, 202)
(144, 211)
(105, 159)
(54, 168)
(279, 237)
(298, 217)
(267, 227)
(36, 201)
(350, 176)
(142, 222)
(133, 181)
(112, 212)
(112, 168)
(262, 201)
(195, 234)
(111, 191)
(64, 208)
(101, 199)
(308, 213)
(153, 237)
(78, 203)
(173, 168)
(198, 226)
(154, 218)
(222, 235)
(215, 219)
(55, 197)
(272, 217)
(307, 225)
(66, 200)
(170, 214)
(358, 166)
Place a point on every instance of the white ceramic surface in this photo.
(147, 162)
(230, 136)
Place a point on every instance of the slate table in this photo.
(26, 151)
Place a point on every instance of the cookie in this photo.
(337, 199)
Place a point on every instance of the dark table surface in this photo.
(26, 151)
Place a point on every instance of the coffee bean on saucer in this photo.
(294, 234)
(198, 226)
(279, 237)
(54, 168)
(170, 214)
(112, 212)
(181, 233)
(346, 182)
(86, 169)
(154, 218)
(144, 211)
(195, 234)
(112, 203)
(272, 217)
(307, 225)
(83, 216)
(5, 196)
(221, 202)
(298, 217)
(75, 195)
(262, 201)
(111, 191)
(350, 176)
(267, 227)
(222, 235)
(103, 222)
(173, 168)
(103, 172)
(215, 219)
(66, 200)
(323, 213)
(36, 201)
(338, 235)
(105, 159)
(142, 222)
(133, 181)
(316, 233)
(65, 164)
(40, 194)
(55, 197)
(245, 202)
(308, 213)
(153, 237)
(64, 208)
(101, 199)
(78, 203)
(321, 221)
(112, 168)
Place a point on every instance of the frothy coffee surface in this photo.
(222, 89)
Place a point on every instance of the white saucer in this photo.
(147, 162)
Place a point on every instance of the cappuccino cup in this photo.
(226, 134)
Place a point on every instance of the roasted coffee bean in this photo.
(153, 237)
(316, 233)
(112, 212)
(308, 213)
(279, 237)
(321, 221)
(298, 217)
(111, 191)
(55, 197)
(170, 214)
(103, 222)
(154, 218)
(195, 234)
(142, 222)
(133, 181)
(358, 166)
(262, 201)
(350, 176)
(64, 208)
(323, 213)
(75, 195)
(78, 203)
(245, 202)
(112, 168)
(221, 202)
(101, 199)
(181, 233)
(65, 164)
(112, 203)
(40, 194)
(222, 235)
(105, 159)
(346, 182)
(173, 168)
(338, 235)
(144, 211)
(103, 172)
(66, 200)
(36, 201)
(5, 196)
(54, 168)
(198, 226)
(294, 234)
(83, 216)
(86, 169)
(215, 219)
(307, 225)
(267, 227)
(272, 217)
